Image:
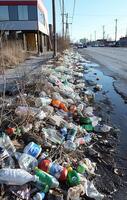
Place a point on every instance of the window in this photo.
(32, 12)
(23, 12)
(13, 13)
(41, 17)
(4, 15)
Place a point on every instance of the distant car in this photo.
(80, 46)
(84, 46)
(101, 45)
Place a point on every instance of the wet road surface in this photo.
(114, 63)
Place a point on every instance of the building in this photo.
(123, 42)
(27, 20)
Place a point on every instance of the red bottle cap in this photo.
(63, 175)
(44, 165)
(10, 131)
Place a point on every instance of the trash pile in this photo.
(51, 140)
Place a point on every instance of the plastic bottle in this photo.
(88, 127)
(43, 156)
(80, 141)
(6, 142)
(33, 149)
(73, 108)
(85, 120)
(70, 146)
(27, 162)
(56, 103)
(15, 177)
(6, 160)
(63, 132)
(42, 101)
(39, 196)
(63, 107)
(54, 169)
(53, 136)
(83, 140)
(46, 179)
(82, 168)
(73, 177)
(72, 133)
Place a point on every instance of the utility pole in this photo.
(95, 35)
(54, 29)
(67, 26)
(103, 32)
(126, 33)
(116, 20)
(90, 37)
(63, 18)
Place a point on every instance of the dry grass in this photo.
(62, 43)
(11, 54)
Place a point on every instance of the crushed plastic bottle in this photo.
(84, 140)
(16, 177)
(52, 135)
(6, 161)
(23, 111)
(95, 120)
(6, 142)
(70, 146)
(102, 128)
(42, 101)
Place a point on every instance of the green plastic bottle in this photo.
(88, 127)
(85, 120)
(46, 179)
(81, 168)
(73, 178)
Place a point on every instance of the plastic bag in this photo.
(92, 192)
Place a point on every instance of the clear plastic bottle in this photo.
(6, 142)
(27, 162)
(53, 136)
(15, 176)
(70, 146)
(6, 161)
(42, 101)
(39, 196)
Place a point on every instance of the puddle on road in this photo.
(89, 64)
(119, 114)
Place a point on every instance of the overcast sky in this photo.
(90, 16)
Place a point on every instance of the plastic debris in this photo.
(51, 134)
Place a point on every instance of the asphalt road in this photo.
(114, 62)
